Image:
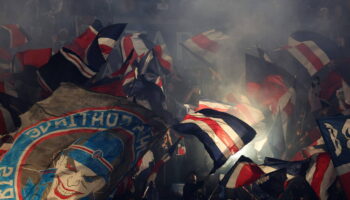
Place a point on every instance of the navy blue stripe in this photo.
(209, 144)
(244, 131)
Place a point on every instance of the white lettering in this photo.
(35, 133)
(6, 171)
(43, 128)
(333, 133)
(61, 122)
(113, 122)
(346, 132)
(96, 118)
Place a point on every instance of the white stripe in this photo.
(303, 60)
(232, 182)
(139, 46)
(310, 172)
(231, 133)
(328, 179)
(318, 52)
(346, 90)
(165, 55)
(10, 126)
(10, 33)
(92, 29)
(343, 169)
(43, 82)
(214, 105)
(10, 89)
(269, 169)
(84, 70)
(207, 55)
(122, 47)
(222, 147)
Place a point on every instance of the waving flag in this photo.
(102, 46)
(12, 36)
(243, 111)
(222, 134)
(293, 168)
(321, 174)
(81, 44)
(316, 147)
(206, 45)
(336, 134)
(243, 172)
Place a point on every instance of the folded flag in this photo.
(206, 45)
(103, 45)
(222, 134)
(243, 172)
(336, 134)
(12, 36)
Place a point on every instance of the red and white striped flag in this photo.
(206, 44)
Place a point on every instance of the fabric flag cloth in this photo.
(103, 44)
(64, 66)
(316, 147)
(243, 111)
(160, 163)
(144, 162)
(306, 54)
(222, 134)
(293, 168)
(336, 134)
(81, 44)
(321, 174)
(12, 36)
(97, 136)
(243, 172)
(33, 57)
(206, 45)
(267, 187)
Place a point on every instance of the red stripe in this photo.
(159, 53)
(104, 161)
(105, 49)
(322, 163)
(309, 54)
(345, 182)
(205, 43)
(248, 174)
(128, 45)
(222, 135)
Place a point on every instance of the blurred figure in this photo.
(193, 188)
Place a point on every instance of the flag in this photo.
(181, 149)
(321, 174)
(336, 134)
(293, 168)
(77, 130)
(311, 50)
(34, 57)
(243, 172)
(268, 186)
(206, 45)
(316, 147)
(81, 44)
(163, 58)
(12, 36)
(102, 46)
(222, 134)
(64, 66)
(243, 111)
(144, 162)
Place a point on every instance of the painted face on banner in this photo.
(73, 180)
